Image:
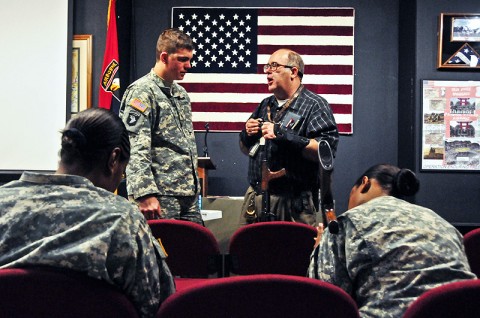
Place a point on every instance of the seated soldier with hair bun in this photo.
(71, 219)
(388, 251)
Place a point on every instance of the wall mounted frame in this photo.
(450, 125)
(459, 41)
(81, 72)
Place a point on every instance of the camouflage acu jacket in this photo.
(163, 154)
(65, 221)
(389, 252)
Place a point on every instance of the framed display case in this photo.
(459, 41)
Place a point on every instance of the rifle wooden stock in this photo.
(268, 175)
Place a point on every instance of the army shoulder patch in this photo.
(133, 117)
(138, 105)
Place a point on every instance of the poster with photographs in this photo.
(450, 125)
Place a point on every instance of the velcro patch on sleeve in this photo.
(133, 117)
(138, 105)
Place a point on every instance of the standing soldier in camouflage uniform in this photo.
(71, 219)
(162, 174)
(388, 251)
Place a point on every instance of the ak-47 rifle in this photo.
(267, 175)
(327, 204)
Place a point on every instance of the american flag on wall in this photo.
(226, 82)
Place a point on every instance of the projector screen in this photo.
(33, 83)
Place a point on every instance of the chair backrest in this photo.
(277, 247)
(458, 299)
(265, 295)
(471, 240)
(192, 249)
(43, 292)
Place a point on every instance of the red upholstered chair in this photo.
(471, 240)
(266, 295)
(458, 299)
(44, 292)
(193, 251)
(277, 247)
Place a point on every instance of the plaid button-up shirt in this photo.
(314, 120)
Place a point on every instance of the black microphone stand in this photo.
(205, 147)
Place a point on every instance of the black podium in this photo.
(204, 164)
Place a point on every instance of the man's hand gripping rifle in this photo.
(267, 175)
(327, 204)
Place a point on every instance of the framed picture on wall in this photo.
(450, 125)
(459, 41)
(81, 72)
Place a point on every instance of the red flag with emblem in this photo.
(108, 96)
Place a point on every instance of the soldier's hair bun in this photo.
(393, 180)
(90, 136)
(406, 182)
(73, 139)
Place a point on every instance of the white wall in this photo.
(33, 82)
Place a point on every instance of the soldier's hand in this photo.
(150, 207)
(319, 235)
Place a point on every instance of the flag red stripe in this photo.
(219, 126)
(250, 107)
(307, 12)
(329, 69)
(338, 89)
(259, 88)
(309, 49)
(341, 108)
(310, 30)
(344, 128)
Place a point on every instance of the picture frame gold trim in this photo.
(456, 35)
(81, 73)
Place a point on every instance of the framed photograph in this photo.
(450, 125)
(459, 41)
(81, 72)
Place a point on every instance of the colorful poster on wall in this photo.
(450, 125)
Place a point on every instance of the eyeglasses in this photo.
(273, 67)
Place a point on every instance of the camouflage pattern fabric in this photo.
(181, 208)
(389, 252)
(164, 153)
(164, 156)
(65, 221)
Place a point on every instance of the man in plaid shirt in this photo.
(285, 129)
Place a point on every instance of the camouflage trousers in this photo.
(180, 208)
(294, 208)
